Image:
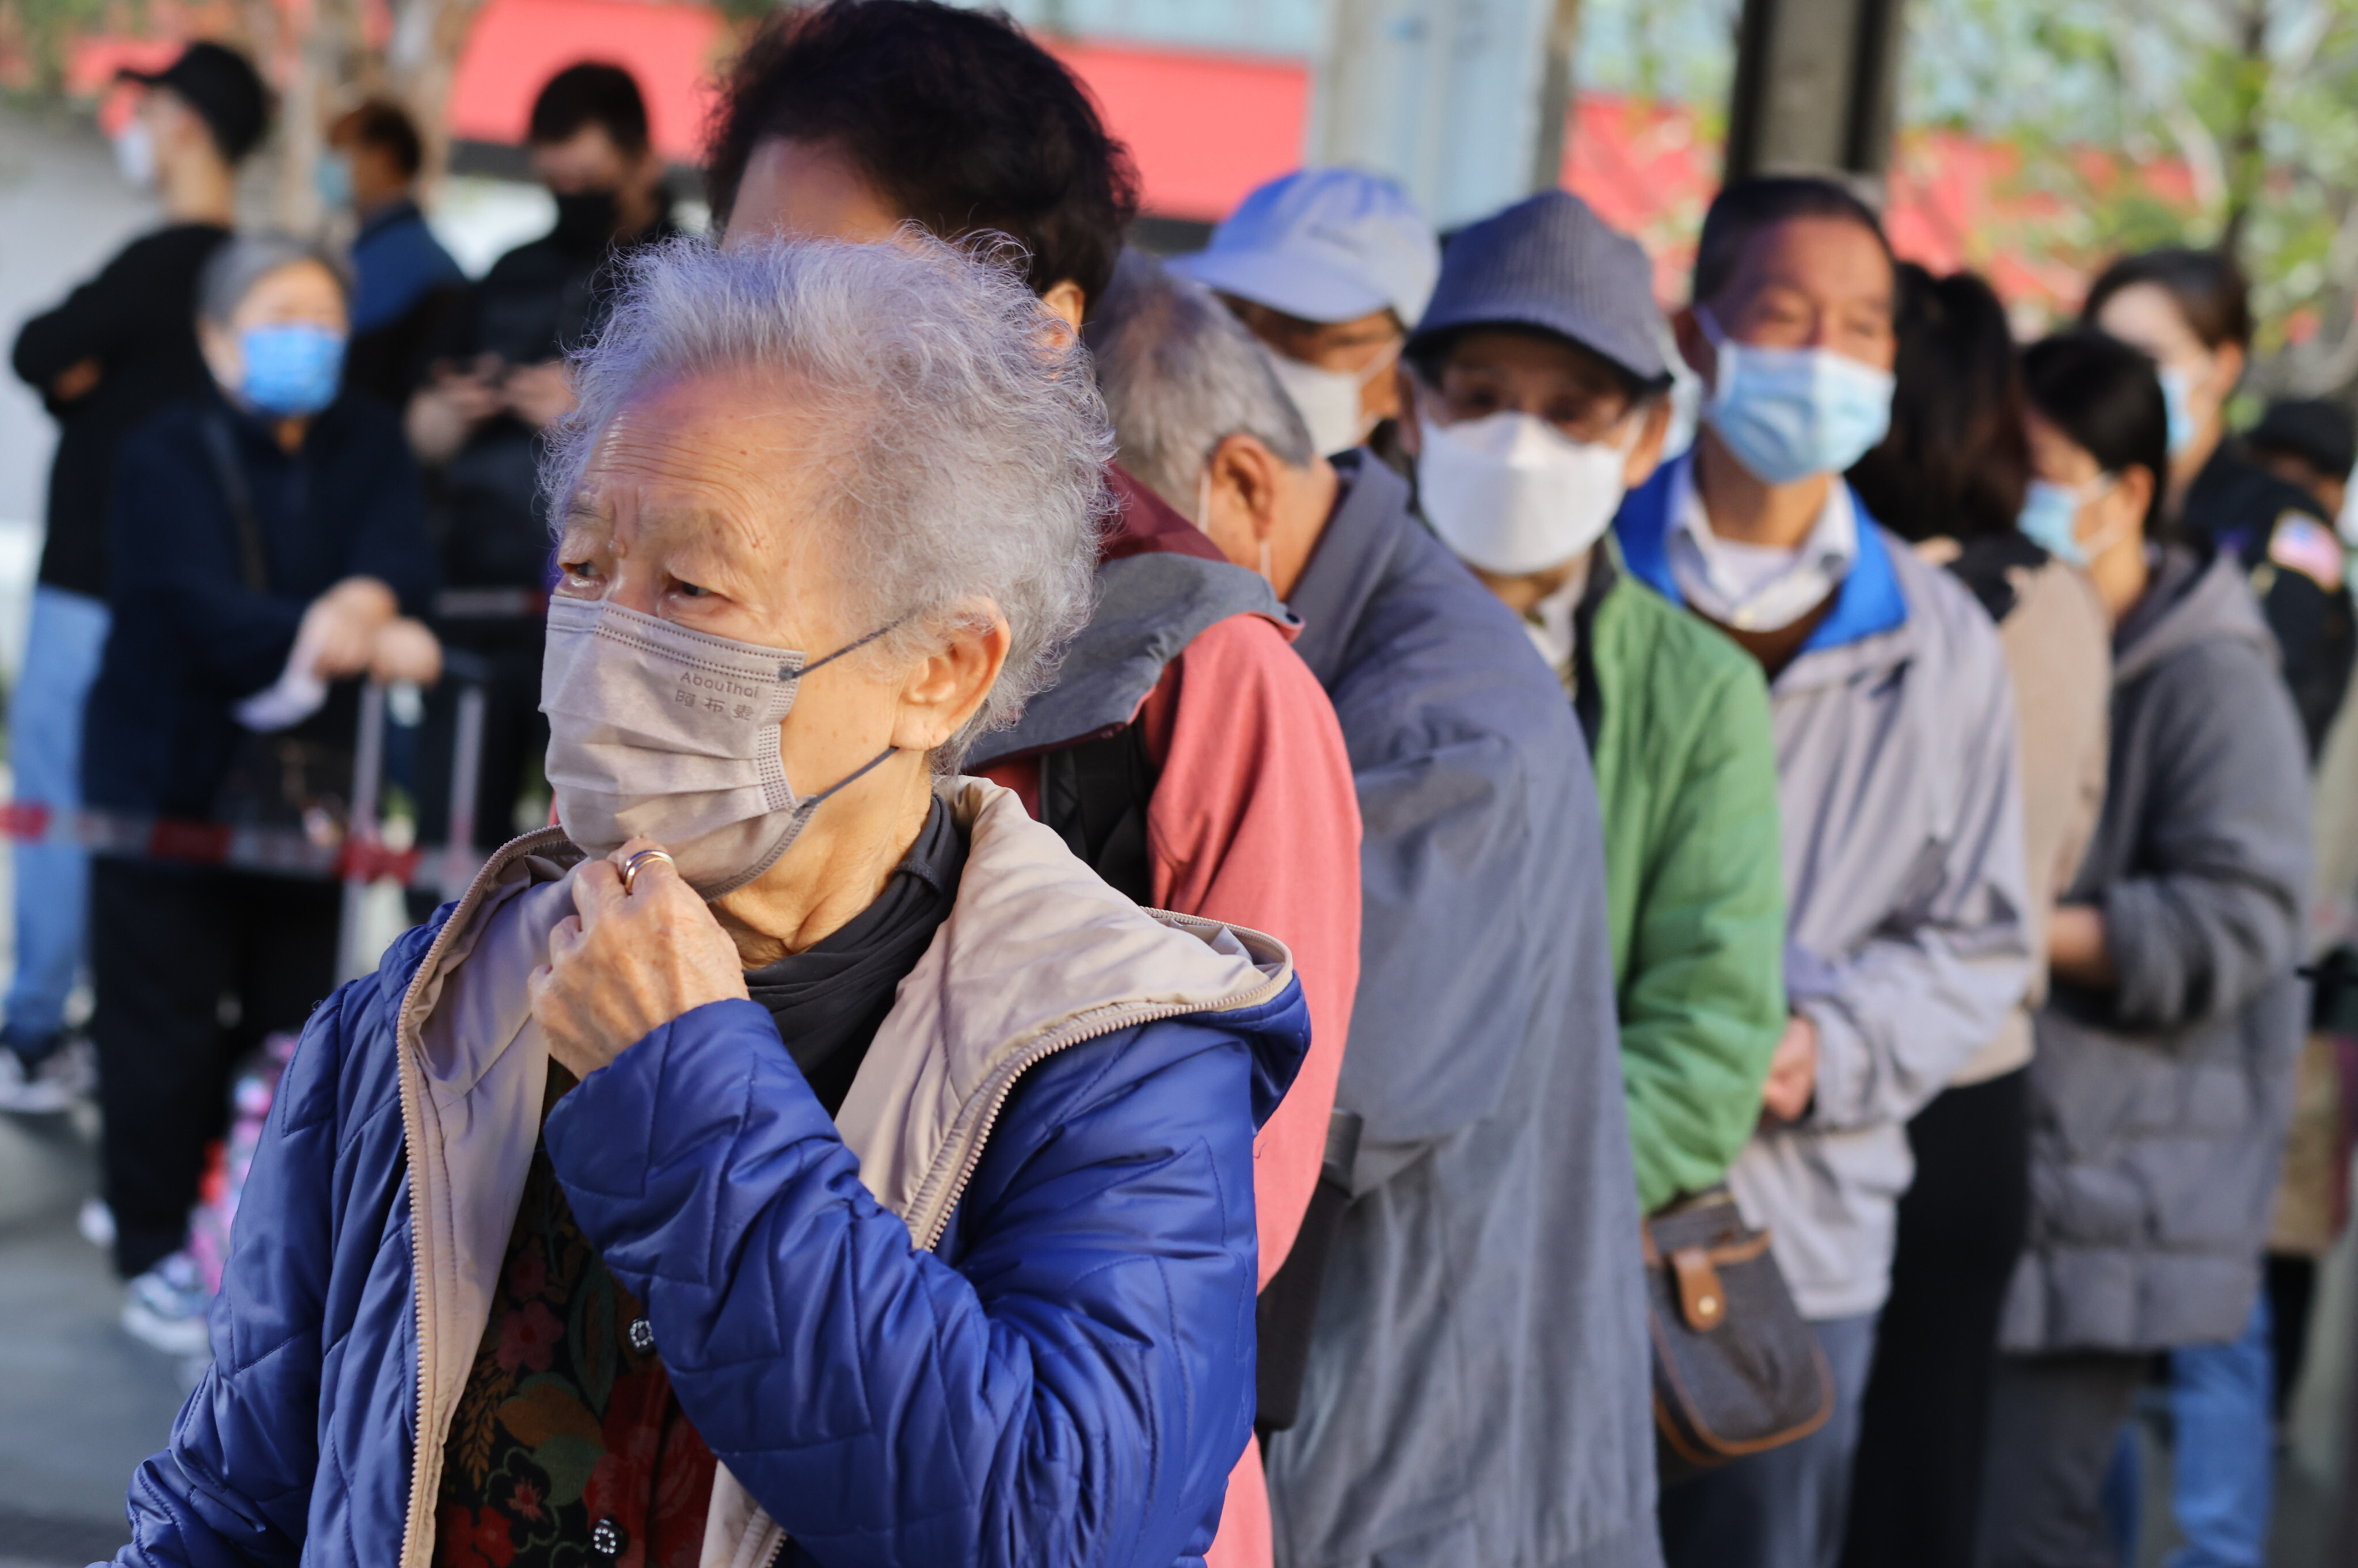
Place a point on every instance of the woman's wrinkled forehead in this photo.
(736, 447)
(736, 473)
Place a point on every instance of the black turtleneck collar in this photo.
(830, 1000)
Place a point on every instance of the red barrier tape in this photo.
(275, 851)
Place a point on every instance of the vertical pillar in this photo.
(1446, 96)
(1816, 88)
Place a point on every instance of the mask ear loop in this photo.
(810, 803)
(846, 648)
(2105, 535)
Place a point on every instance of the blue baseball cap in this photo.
(1324, 244)
(1552, 264)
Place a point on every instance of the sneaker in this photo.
(165, 1307)
(52, 1084)
(96, 1223)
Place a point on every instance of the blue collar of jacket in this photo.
(1868, 602)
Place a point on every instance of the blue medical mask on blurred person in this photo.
(134, 155)
(1787, 414)
(333, 178)
(1512, 495)
(292, 370)
(2050, 518)
(2178, 396)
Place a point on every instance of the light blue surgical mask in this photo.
(292, 370)
(2050, 518)
(332, 176)
(1787, 414)
(2176, 394)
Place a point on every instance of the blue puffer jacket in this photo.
(1064, 1378)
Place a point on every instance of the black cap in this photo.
(2321, 434)
(220, 85)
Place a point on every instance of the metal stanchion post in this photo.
(361, 833)
(459, 860)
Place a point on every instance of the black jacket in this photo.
(2237, 505)
(137, 319)
(538, 301)
(190, 636)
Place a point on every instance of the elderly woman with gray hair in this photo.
(264, 540)
(795, 1156)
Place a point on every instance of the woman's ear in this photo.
(945, 687)
(222, 356)
(2228, 363)
(2134, 492)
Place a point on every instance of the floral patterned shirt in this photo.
(568, 1449)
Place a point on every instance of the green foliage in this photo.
(36, 35)
(2153, 122)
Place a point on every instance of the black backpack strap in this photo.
(1287, 1310)
(1588, 696)
(221, 447)
(1096, 796)
(1987, 566)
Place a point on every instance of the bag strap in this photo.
(221, 447)
(1097, 796)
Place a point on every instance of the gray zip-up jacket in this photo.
(2159, 1107)
(1905, 941)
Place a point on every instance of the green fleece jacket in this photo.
(1686, 778)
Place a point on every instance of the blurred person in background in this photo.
(266, 536)
(1901, 806)
(1330, 269)
(478, 426)
(2161, 1084)
(1537, 397)
(2311, 442)
(1953, 477)
(2191, 312)
(404, 285)
(119, 347)
(1184, 753)
(1495, 1421)
(839, 1173)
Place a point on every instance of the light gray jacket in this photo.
(2158, 1108)
(1905, 941)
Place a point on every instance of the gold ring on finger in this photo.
(631, 867)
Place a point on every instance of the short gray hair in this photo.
(968, 442)
(1181, 374)
(244, 260)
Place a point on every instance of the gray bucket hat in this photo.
(1551, 262)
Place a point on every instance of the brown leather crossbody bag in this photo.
(1737, 1370)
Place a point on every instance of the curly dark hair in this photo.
(956, 116)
